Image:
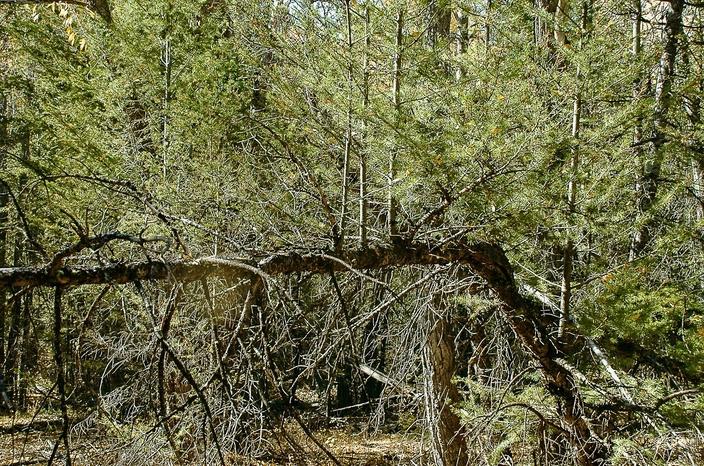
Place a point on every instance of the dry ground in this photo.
(25, 440)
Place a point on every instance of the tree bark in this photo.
(396, 98)
(569, 250)
(485, 259)
(648, 182)
(448, 444)
(348, 130)
(60, 372)
(439, 19)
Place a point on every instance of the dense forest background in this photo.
(230, 229)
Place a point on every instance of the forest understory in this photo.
(365, 232)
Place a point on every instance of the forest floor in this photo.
(26, 440)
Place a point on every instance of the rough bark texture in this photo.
(449, 447)
(375, 257)
(485, 259)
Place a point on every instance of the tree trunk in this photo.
(692, 108)
(569, 250)
(461, 38)
(12, 359)
(647, 185)
(448, 444)
(439, 19)
(560, 20)
(4, 199)
(28, 354)
(363, 204)
(60, 374)
(167, 64)
(348, 131)
(396, 98)
(375, 342)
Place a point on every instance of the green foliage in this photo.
(665, 320)
(222, 125)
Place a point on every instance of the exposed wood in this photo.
(385, 379)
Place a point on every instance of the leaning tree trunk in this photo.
(487, 260)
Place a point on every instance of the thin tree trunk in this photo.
(167, 64)
(698, 187)
(4, 199)
(161, 378)
(396, 98)
(560, 20)
(461, 38)
(647, 186)
(28, 354)
(439, 19)
(637, 88)
(348, 131)
(692, 107)
(569, 250)
(10, 365)
(363, 203)
(487, 25)
(60, 372)
(541, 30)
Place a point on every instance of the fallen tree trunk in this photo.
(485, 259)
(378, 257)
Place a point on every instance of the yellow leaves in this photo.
(69, 17)
(496, 130)
(71, 35)
(501, 98)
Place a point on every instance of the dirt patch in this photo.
(27, 440)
